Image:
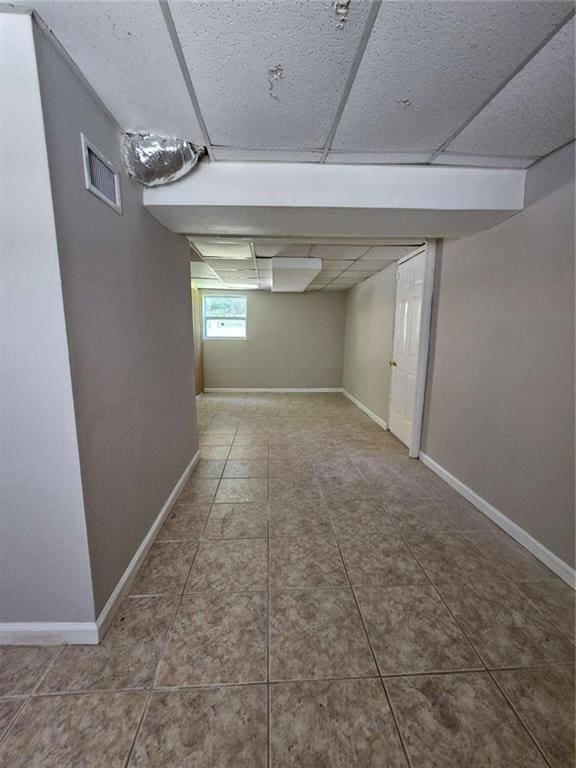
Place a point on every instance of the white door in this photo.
(409, 293)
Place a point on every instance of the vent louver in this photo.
(100, 176)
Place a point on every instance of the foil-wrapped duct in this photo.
(153, 160)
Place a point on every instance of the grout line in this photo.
(500, 87)
(521, 721)
(374, 658)
(358, 56)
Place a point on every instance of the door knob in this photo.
(392, 363)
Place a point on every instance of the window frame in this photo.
(205, 336)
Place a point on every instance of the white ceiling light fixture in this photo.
(244, 286)
(293, 275)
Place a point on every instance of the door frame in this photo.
(430, 248)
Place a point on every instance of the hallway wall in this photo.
(293, 340)
(500, 399)
(127, 305)
(368, 341)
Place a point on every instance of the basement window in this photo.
(224, 316)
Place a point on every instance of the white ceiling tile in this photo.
(231, 154)
(360, 273)
(236, 264)
(378, 158)
(389, 252)
(333, 287)
(368, 265)
(124, 51)
(222, 248)
(330, 273)
(200, 269)
(483, 161)
(272, 248)
(210, 284)
(338, 252)
(232, 48)
(429, 65)
(534, 113)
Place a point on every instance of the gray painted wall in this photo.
(293, 340)
(44, 564)
(500, 399)
(368, 344)
(127, 305)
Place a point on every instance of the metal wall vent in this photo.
(100, 176)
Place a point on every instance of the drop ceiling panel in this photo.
(271, 248)
(230, 154)
(390, 252)
(378, 158)
(483, 161)
(338, 252)
(534, 113)
(124, 51)
(429, 65)
(269, 74)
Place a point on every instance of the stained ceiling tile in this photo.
(482, 161)
(534, 113)
(125, 52)
(268, 74)
(429, 65)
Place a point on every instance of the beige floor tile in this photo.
(92, 730)
(337, 724)
(555, 600)
(246, 468)
(338, 491)
(412, 631)
(21, 667)
(210, 468)
(250, 451)
(230, 565)
(509, 558)
(310, 561)
(504, 627)
(380, 560)
(198, 490)
(294, 490)
(544, 700)
(459, 721)
(240, 491)
(293, 466)
(420, 517)
(8, 710)
(448, 557)
(360, 517)
(125, 658)
(216, 638)
(237, 521)
(165, 569)
(317, 634)
(214, 452)
(299, 518)
(184, 524)
(217, 727)
(217, 438)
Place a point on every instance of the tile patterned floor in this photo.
(314, 599)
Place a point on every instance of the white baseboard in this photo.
(105, 617)
(49, 633)
(90, 632)
(552, 561)
(273, 390)
(367, 411)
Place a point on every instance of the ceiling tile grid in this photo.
(534, 113)
(268, 74)
(448, 82)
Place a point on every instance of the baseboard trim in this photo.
(552, 561)
(105, 617)
(49, 633)
(367, 411)
(273, 390)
